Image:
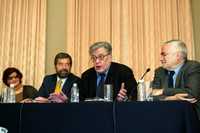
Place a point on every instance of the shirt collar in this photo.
(63, 80)
(177, 69)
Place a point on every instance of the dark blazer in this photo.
(29, 92)
(49, 84)
(117, 74)
(187, 81)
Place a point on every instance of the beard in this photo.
(63, 73)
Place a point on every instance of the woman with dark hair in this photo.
(13, 76)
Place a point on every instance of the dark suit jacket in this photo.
(117, 74)
(187, 81)
(29, 91)
(49, 84)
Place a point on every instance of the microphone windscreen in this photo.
(148, 70)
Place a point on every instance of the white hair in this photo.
(180, 47)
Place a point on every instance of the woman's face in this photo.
(14, 79)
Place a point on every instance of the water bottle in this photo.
(74, 93)
(141, 91)
(9, 94)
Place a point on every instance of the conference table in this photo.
(100, 117)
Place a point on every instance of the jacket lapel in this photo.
(179, 76)
(165, 79)
(53, 83)
(109, 76)
(67, 85)
(93, 84)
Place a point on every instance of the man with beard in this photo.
(56, 87)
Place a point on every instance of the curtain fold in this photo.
(22, 38)
(136, 29)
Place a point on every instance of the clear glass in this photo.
(149, 90)
(141, 91)
(4, 95)
(108, 92)
(1, 95)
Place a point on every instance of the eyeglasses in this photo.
(100, 57)
(13, 77)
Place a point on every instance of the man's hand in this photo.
(58, 97)
(122, 96)
(181, 97)
(27, 100)
(157, 92)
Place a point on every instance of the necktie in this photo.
(58, 87)
(170, 79)
(99, 91)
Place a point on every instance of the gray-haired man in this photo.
(104, 71)
(178, 78)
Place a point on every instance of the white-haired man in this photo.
(178, 78)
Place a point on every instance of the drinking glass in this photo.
(108, 92)
(148, 91)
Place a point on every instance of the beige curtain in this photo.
(136, 29)
(22, 38)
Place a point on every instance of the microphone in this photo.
(148, 69)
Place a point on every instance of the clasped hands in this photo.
(53, 97)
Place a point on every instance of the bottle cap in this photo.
(141, 81)
(12, 85)
(74, 84)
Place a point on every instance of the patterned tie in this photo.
(99, 91)
(58, 88)
(170, 79)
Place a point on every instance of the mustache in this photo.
(63, 70)
(63, 73)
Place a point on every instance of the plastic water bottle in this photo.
(11, 98)
(141, 91)
(74, 93)
(9, 94)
